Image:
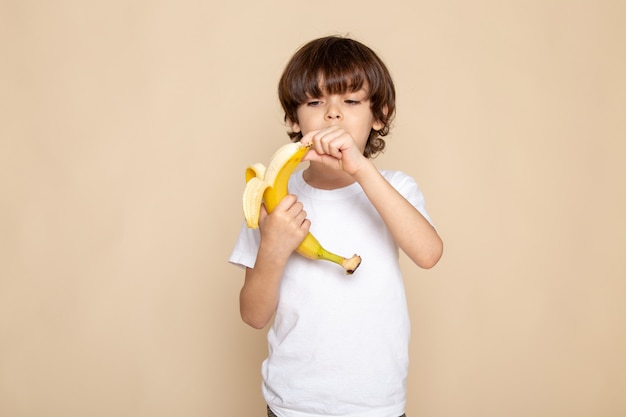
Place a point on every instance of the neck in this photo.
(324, 178)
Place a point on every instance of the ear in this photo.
(295, 127)
(377, 125)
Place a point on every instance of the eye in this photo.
(313, 103)
(352, 102)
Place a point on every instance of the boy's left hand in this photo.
(335, 148)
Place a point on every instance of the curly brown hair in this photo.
(344, 65)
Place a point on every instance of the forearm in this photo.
(409, 228)
(259, 295)
(281, 233)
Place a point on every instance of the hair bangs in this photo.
(341, 79)
(324, 80)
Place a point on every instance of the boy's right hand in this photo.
(285, 227)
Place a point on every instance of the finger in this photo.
(333, 141)
(263, 213)
(306, 225)
(262, 216)
(286, 203)
(299, 213)
(336, 147)
(308, 138)
(310, 155)
(323, 137)
(318, 146)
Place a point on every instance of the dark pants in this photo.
(270, 413)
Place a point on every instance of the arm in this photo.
(411, 231)
(281, 233)
(336, 149)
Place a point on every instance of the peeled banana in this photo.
(268, 185)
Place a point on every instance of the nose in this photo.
(333, 112)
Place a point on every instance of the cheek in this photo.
(308, 121)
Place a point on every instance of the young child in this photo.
(338, 345)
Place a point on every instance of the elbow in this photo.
(429, 263)
(255, 324)
(429, 260)
(253, 321)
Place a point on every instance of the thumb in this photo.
(311, 155)
(308, 155)
(263, 213)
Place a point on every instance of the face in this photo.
(351, 111)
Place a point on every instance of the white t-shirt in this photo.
(339, 343)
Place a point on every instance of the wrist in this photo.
(276, 255)
(366, 169)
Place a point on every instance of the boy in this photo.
(338, 345)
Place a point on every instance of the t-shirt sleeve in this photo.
(407, 186)
(246, 247)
